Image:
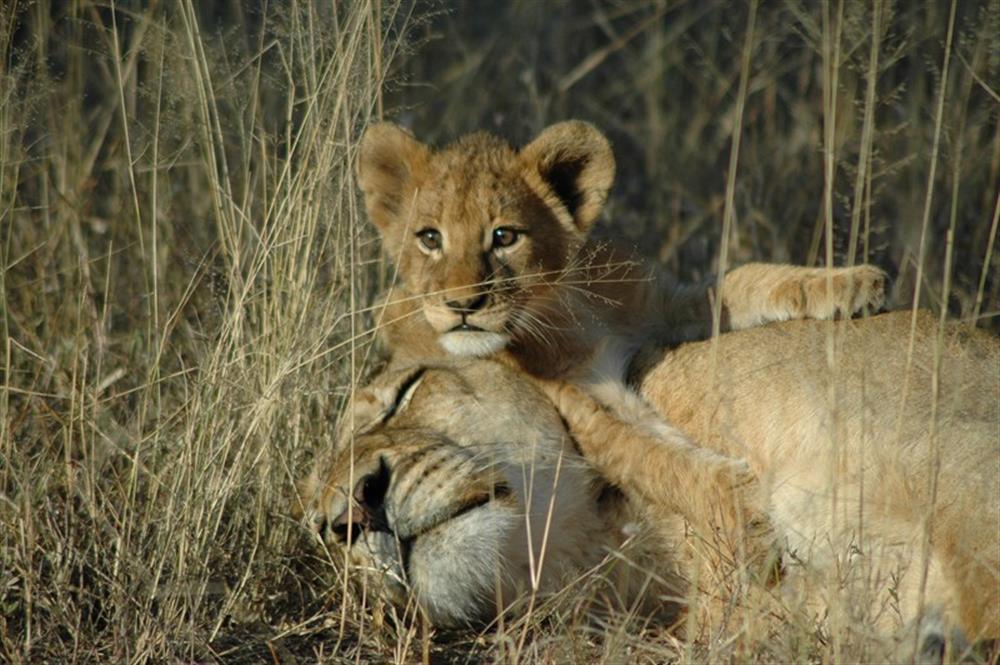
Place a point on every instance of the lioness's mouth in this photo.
(500, 493)
(405, 540)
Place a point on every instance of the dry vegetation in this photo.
(185, 266)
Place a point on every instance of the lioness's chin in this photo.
(456, 571)
(475, 344)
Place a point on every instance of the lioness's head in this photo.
(462, 489)
(478, 228)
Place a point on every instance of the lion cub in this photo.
(493, 258)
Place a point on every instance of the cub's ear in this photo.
(388, 169)
(576, 166)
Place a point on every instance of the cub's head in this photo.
(461, 489)
(478, 229)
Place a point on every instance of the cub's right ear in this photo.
(575, 166)
(389, 169)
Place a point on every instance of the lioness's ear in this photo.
(389, 394)
(576, 166)
(389, 162)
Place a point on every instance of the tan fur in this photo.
(845, 464)
(658, 466)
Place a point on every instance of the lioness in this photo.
(465, 484)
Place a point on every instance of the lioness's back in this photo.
(786, 365)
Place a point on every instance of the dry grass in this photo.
(186, 269)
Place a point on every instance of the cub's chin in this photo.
(478, 343)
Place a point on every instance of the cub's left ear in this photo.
(390, 164)
(572, 167)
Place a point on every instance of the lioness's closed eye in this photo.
(493, 256)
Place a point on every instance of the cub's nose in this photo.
(366, 510)
(469, 305)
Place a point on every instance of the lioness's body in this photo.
(860, 457)
(846, 463)
(851, 451)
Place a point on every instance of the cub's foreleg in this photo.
(657, 466)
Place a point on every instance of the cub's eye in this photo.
(505, 237)
(430, 239)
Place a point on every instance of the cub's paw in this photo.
(739, 515)
(733, 475)
(850, 291)
(741, 499)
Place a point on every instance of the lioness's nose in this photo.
(469, 305)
